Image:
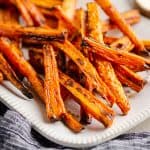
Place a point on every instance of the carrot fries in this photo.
(10, 75)
(23, 66)
(93, 106)
(32, 33)
(130, 60)
(86, 67)
(131, 17)
(104, 68)
(115, 16)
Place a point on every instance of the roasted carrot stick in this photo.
(80, 17)
(10, 75)
(32, 33)
(109, 39)
(93, 106)
(104, 68)
(52, 87)
(10, 16)
(24, 12)
(36, 60)
(115, 16)
(119, 57)
(80, 22)
(35, 14)
(52, 91)
(86, 67)
(23, 66)
(131, 17)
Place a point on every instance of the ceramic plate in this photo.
(94, 134)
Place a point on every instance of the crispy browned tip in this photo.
(85, 118)
(72, 123)
(130, 60)
(32, 33)
(91, 104)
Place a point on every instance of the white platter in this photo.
(94, 134)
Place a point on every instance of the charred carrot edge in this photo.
(115, 16)
(105, 68)
(32, 33)
(47, 3)
(58, 12)
(123, 44)
(119, 57)
(93, 106)
(35, 14)
(11, 76)
(1, 77)
(52, 87)
(86, 67)
(24, 12)
(23, 66)
(72, 123)
(131, 17)
(68, 7)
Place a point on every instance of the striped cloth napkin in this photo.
(17, 134)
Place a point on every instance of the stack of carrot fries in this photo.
(72, 56)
